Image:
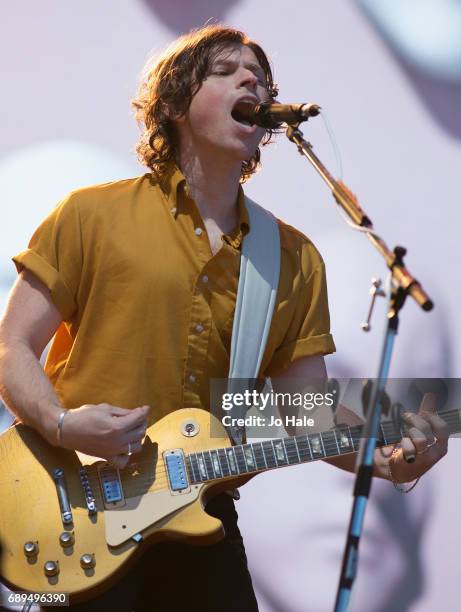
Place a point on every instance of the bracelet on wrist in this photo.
(397, 485)
(61, 418)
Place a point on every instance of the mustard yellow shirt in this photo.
(147, 309)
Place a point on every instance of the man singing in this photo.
(136, 282)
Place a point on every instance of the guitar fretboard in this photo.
(255, 457)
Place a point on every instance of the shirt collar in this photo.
(243, 226)
(170, 184)
(175, 180)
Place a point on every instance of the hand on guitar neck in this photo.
(425, 445)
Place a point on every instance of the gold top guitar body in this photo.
(75, 530)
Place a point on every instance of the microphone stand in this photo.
(403, 284)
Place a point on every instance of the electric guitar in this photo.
(75, 525)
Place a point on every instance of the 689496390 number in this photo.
(21, 598)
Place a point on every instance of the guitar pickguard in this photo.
(139, 513)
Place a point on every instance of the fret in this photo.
(336, 440)
(259, 455)
(329, 443)
(195, 467)
(344, 440)
(209, 465)
(310, 447)
(190, 470)
(232, 460)
(304, 448)
(224, 462)
(291, 451)
(316, 445)
(279, 451)
(383, 435)
(453, 420)
(392, 435)
(201, 466)
(297, 449)
(241, 463)
(356, 434)
(249, 457)
(321, 442)
(215, 462)
(269, 454)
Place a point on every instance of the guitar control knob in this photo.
(51, 568)
(87, 561)
(31, 549)
(66, 539)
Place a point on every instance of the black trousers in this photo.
(174, 577)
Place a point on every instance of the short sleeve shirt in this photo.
(147, 308)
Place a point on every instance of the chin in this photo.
(246, 153)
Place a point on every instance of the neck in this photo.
(213, 185)
(261, 456)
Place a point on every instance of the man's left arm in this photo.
(425, 445)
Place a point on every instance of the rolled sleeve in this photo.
(309, 329)
(54, 256)
(304, 347)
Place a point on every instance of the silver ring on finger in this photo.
(429, 446)
(130, 451)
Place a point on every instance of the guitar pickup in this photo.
(176, 470)
(111, 486)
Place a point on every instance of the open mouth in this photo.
(242, 112)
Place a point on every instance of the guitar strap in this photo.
(256, 294)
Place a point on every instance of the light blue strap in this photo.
(256, 295)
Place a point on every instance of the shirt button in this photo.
(192, 378)
(204, 278)
(199, 328)
(198, 231)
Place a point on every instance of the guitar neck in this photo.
(257, 457)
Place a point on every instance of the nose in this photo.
(248, 79)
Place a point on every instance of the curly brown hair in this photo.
(168, 86)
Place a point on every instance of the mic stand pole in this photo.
(403, 284)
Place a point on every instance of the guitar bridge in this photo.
(88, 491)
(176, 469)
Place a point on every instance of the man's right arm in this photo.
(30, 321)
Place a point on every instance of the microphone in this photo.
(270, 116)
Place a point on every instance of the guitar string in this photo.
(451, 418)
(330, 448)
(148, 461)
(143, 484)
(331, 445)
